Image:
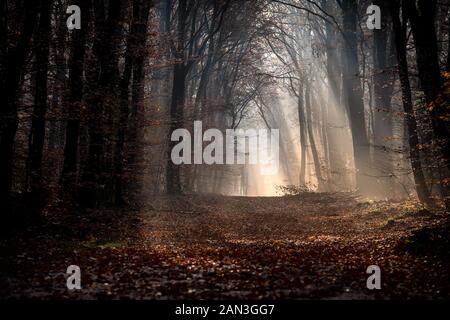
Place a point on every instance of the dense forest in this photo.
(93, 90)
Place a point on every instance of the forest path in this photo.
(307, 246)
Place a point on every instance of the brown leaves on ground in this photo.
(214, 247)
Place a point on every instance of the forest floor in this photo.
(311, 246)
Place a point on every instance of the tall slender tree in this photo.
(96, 179)
(13, 60)
(353, 95)
(37, 133)
(75, 101)
(399, 29)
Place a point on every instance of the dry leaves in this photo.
(305, 246)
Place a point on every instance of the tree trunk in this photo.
(176, 116)
(413, 139)
(134, 60)
(37, 133)
(354, 97)
(96, 189)
(334, 72)
(422, 20)
(312, 141)
(180, 71)
(59, 84)
(74, 102)
(302, 126)
(448, 53)
(382, 95)
(12, 65)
